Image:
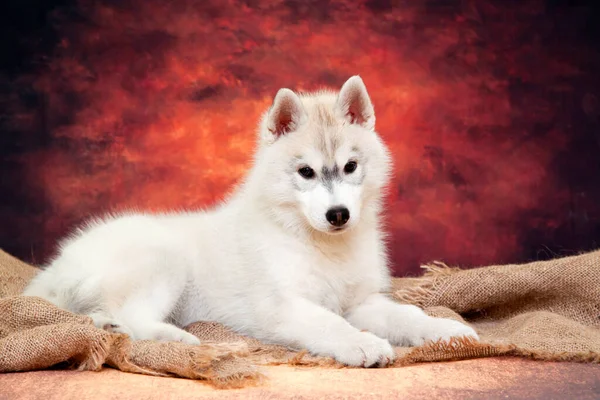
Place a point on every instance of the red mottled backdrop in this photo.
(490, 107)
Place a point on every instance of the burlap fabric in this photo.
(546, 310)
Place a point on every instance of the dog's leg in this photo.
(104, 321)
(306, 325)
(403, 325)
(162, 331)
(145, 312)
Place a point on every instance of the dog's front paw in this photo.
(442, 329)
(365, 350)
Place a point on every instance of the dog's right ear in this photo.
(286, 114)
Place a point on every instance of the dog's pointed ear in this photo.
(354, 103)
(286, 114)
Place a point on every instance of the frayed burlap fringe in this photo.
(424, 287)
(541, 311)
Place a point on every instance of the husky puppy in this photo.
(295, 256)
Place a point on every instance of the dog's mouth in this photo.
(337, 230)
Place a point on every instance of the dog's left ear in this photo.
(354, 103)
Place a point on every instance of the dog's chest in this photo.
(335, 277)
(333, 284)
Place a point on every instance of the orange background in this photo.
(490, 109)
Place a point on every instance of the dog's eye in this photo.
(350, 167)
(306, 172)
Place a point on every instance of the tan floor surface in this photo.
(495, 378)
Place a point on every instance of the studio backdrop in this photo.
(491, 109)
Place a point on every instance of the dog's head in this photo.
(320, 162)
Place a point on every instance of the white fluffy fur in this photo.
(266, 262)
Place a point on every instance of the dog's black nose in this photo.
(338, 216)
